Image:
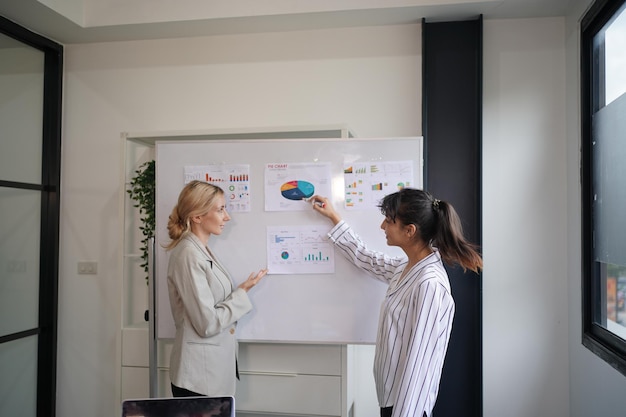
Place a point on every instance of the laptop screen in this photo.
(180, 407)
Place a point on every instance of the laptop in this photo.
(179, 407)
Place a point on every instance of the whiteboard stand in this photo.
(139, 147)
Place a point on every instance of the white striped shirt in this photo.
(413, 328)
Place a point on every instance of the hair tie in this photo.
(436, 204)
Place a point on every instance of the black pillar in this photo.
(452, 129)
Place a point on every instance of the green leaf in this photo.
(142, 191)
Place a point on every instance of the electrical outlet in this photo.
(87, 268)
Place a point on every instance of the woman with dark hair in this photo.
(417, 312)
(205, 305)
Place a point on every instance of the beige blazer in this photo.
(206, 307)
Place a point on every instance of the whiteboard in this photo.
(331, 307)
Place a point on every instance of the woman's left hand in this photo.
(253, 279)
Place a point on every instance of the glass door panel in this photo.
(19, 259)
(21, 111)
(18, 379)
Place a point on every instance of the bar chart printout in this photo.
(299, 250)
(366, 183)
(234, 179)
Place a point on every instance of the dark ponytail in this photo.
(449, 239)
(437, 223)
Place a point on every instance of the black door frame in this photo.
(49, 188)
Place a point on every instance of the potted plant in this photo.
(142, 191)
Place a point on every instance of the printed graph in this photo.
(234, 179)
(297, 190)
(288, 184)
(299, 250)
(367, 183)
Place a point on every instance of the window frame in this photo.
(605, 344)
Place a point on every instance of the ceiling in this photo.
(84, 21)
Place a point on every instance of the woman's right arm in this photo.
(377, 264)
(349, 243)
(323, 206)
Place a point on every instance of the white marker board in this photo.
(340, 307)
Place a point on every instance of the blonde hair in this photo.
(195, 199)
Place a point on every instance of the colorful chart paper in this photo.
(297, 190)
(287, 185)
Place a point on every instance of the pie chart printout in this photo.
(297, 190)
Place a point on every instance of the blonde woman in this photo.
(204, 302)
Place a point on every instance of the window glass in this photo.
(615, 308)
(615, 58)
(609, 162)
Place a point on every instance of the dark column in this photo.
(452, 129)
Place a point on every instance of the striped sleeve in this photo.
(377, 264)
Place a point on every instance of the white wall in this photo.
(369, 79)
(596, 389)
(524, 219)
(366, 78)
